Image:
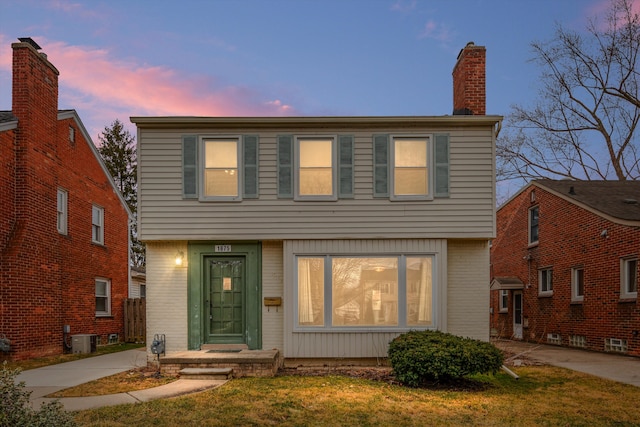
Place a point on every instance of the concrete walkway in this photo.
(49, 379)
(616, 367)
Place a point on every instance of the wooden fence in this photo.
(135, 320)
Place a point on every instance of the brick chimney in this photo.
(469, 82)
(35, 89)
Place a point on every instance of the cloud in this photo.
(404, 6)
(436, 31)
(103, 87)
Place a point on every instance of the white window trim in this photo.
(574, 284)
(529, 225)
(334, 168)
(542, 292)
(108, 297)
(392, 166)
(503, 307)
(62, 211)
(202, 167)
(624, 293)
(100, 238)
(402, 295)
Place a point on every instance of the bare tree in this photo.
(583, 125)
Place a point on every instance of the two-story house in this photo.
(322, 237)
(64, 227)
(564, 265)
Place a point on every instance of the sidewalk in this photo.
(49, 379)
(616, 367)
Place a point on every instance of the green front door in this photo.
(224, 300)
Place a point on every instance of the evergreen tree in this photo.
(118, 150)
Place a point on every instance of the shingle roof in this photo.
(618, 199)
(7, 116)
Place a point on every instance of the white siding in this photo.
(468, 290)
(355, 344)
(467, 213)
(272, 286)
(166, 295)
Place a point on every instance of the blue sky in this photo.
(122, 58)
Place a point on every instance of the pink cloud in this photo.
(600, 11)
(436, 31)
(102, 88)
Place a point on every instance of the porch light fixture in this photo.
(179, 257)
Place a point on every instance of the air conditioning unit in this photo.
(83, 343)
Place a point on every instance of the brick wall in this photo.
(48, 278)
(569, 237)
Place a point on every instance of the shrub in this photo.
(420, 356)
(16, 411)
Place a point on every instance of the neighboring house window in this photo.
(534, 214)
(103, 297)
(62, 211)
(143, 291)
(629, 278)
(545, 281)
(316, 173)
(577, 284)
(97, 225)
(503, 303)
(221, 169)
(338, 292)
(411, 167)
(72, 134)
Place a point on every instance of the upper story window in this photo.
(629, 278)
(534, 219)
(97, 224)
(103, 297)
(220, 168)
(316, 172)
(221, 179)
(411, 167)
(577, 284)
(72, 134)
(62, 211)
(545, 282)
(410, 174)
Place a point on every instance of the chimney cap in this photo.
(30, 41)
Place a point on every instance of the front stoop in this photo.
(242, 363)
(206, 373)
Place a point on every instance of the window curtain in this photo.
(305, 302)
(425, 295)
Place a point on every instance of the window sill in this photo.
(628, 300)
(577, 302)
(545, 294)
(506, 311)
(532, 245)
(104, 316)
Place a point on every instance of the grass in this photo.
(53, 360)
(544, 395)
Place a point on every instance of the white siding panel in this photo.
(272, 286)
(467, 213)
(355, 344)
(166, 295)
(468, 289)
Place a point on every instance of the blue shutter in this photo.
(285, 166)
(345, 166)
(190, 167)
(381, 166)
(441, 155)
(250, 166)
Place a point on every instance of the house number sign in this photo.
(223, 248)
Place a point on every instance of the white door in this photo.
(517, 315)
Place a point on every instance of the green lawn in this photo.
(544, 396)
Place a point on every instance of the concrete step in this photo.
(206, 373)
(224, 347)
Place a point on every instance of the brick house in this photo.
(64, 227)
(564, 265)
(321, 237)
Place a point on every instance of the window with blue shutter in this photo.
(190, 167)
(285, 166)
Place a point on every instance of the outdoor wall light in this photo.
(179, 257)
